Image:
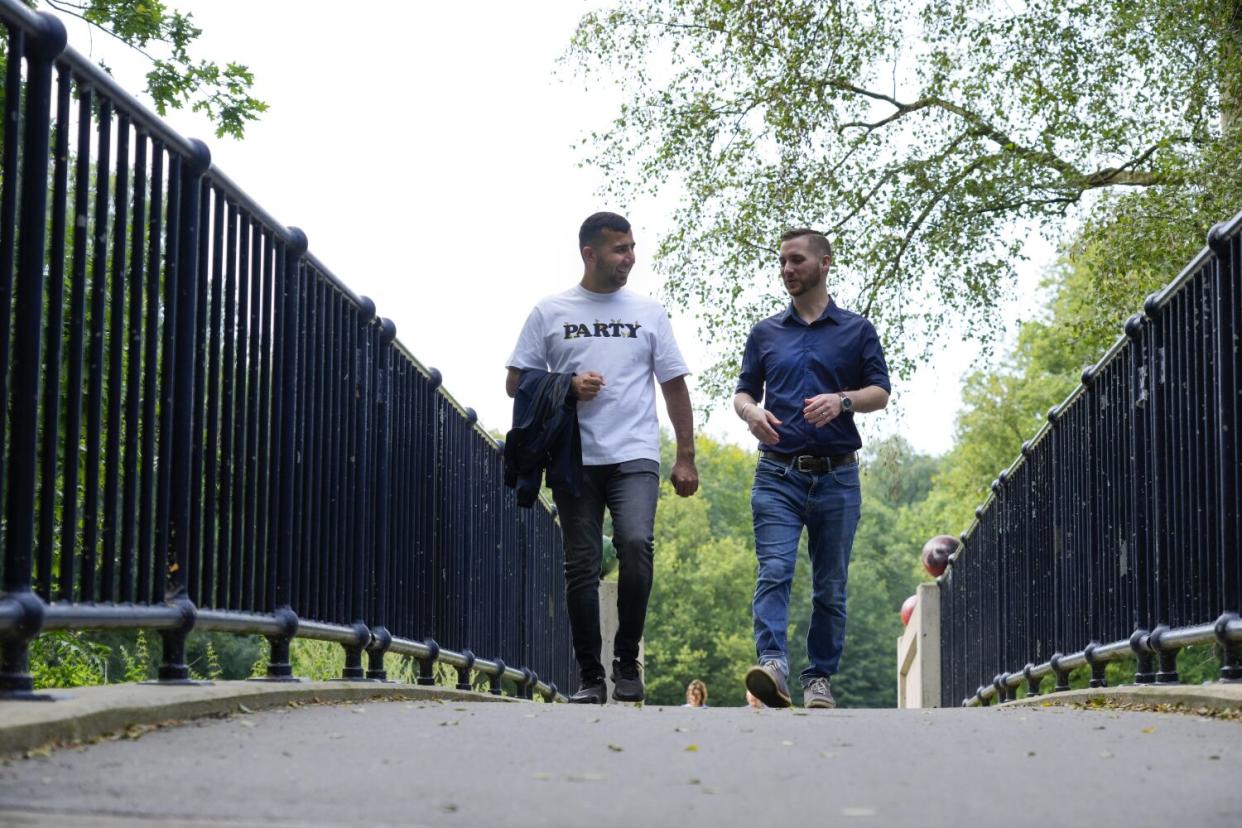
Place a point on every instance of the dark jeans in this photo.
(630, 491)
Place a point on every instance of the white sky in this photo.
(428, 152)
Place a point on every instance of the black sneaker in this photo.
(627, 681)
(590, 691)
(766, 682)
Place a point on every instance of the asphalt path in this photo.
(460, 764)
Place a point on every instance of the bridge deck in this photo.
(453, 763)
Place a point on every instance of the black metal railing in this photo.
(205, 429)
(1115, 532)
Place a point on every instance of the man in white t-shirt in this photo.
(614, 342)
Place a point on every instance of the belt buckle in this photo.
(809, 463)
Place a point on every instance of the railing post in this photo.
(1098, 678)
(279, 667)
(1032, 683)
(358, 553)
(1144, 669)
(1228, 381)
(426, 666)
(178, 540)
(463, 673)
(497, 682)
(353, 653)
(380, 571)
(19, 602)
(381, 640)
(1167, 656)
(1062, 674)
(1230, 651)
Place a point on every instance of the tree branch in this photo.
(917, 224)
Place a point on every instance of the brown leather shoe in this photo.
(818, 693)
(767, 683)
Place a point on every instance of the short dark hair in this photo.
(591, 230)
(817, 240)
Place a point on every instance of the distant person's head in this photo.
(696, 694)
(751, 701)
(606, 243)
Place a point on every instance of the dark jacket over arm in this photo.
(544, 436)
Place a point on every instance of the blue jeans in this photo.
(784, 500)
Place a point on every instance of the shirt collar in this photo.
(831, 313)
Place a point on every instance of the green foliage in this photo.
(139, 665)
(67, 659)
(918, 135)
(165, 38)
(314, 660)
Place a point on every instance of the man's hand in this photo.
(762, 423)
(587, 385)
(822, 409)
(684, 477)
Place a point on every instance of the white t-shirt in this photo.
(626, 338)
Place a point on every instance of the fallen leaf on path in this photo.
(692, 748)
(858, 812)
(786, 743)
(1149, 730)
(615, 748)
(241, 708)
(336, 735)
(357, 710)
(541, 775)
(1105, 754)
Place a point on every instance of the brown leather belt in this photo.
(810, 462)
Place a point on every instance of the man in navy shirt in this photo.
(814, 366)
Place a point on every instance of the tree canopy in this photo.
(926, 139)
(177, 78)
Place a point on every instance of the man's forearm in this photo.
(866, 400)
(740, 401)
(677, 402)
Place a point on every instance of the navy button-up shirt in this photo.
(788, 361)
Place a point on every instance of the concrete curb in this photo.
(1214, 697)
(86, 713)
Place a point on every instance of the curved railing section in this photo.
(206, 429)
(1115, 533)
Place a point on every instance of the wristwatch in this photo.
(847, 405)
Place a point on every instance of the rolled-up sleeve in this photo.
(875, 369)
(750, 381)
